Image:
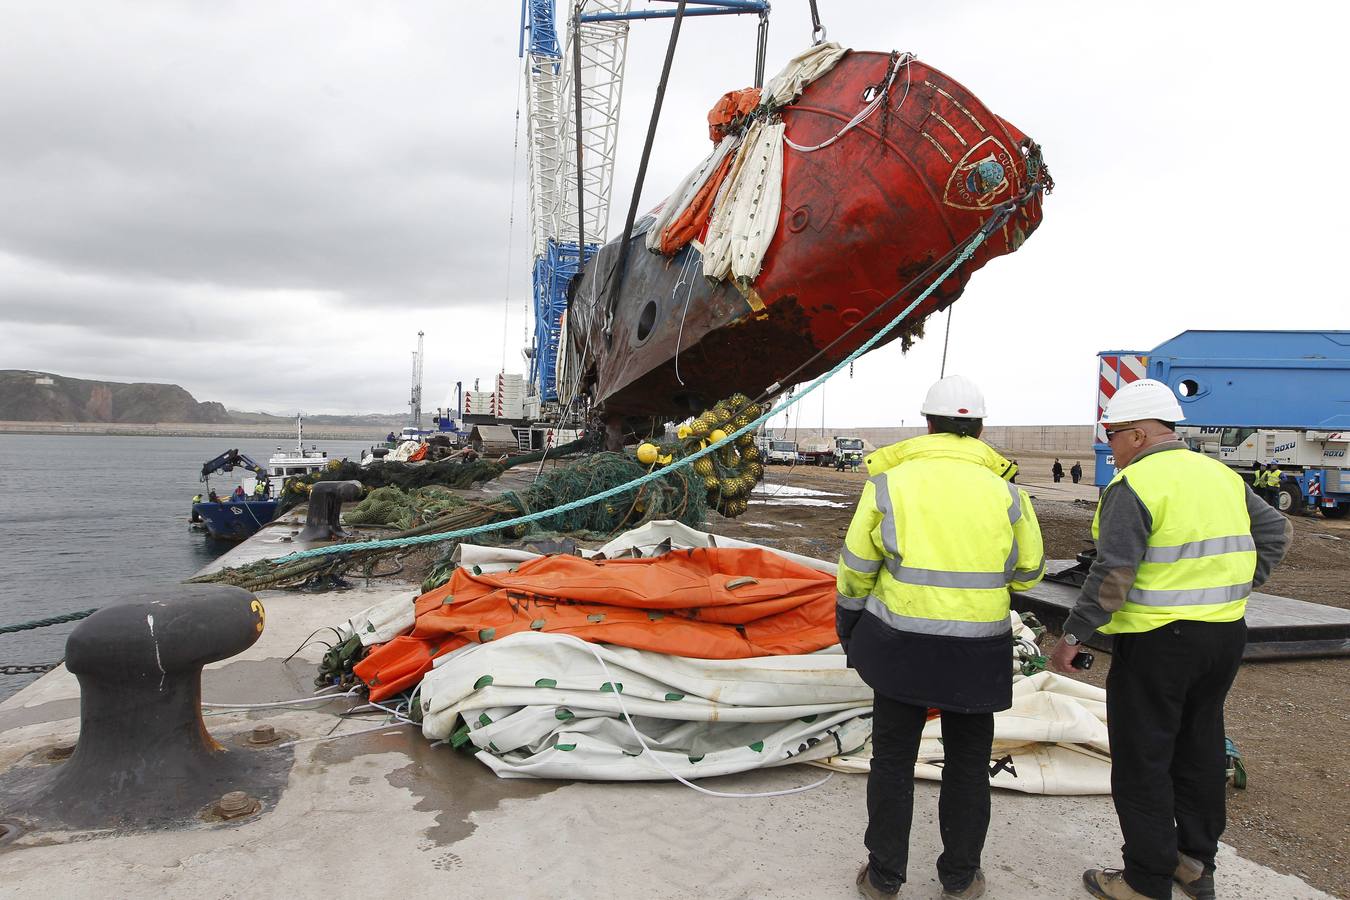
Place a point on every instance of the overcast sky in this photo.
(264, 202)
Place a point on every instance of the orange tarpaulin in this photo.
(693, 219)
(711, 603)
(730, 106)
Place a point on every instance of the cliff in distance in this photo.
(27, 396)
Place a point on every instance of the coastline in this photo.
(196, 429)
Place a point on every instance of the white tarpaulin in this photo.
(542, 705)
(800, 71)
(649, 540)
(1052, 741)
(688, 189)
(382, 622)
(746, 217)
(745, 211)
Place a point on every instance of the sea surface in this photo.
(85, 517)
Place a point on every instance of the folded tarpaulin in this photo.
(1052, 741)
(543, 706)
(707, 603)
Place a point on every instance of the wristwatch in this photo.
(1071, 639)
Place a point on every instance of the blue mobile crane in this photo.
(1250, 398)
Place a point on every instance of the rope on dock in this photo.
(965, 254)
(51, 620)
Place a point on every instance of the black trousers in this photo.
(1164, 706)
(963, 805)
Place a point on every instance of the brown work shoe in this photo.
(1194, 879)
(972, 890)
(870, 890)
(1110, 884)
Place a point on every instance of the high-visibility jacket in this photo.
(1201, 557)
(1273, 478)
(937, 541)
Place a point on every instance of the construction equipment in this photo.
(847, 453)
(415, 401)
(1252, 397)
(229, 461)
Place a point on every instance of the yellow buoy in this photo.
(717, 435)
(647, 453)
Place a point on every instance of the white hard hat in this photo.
(956, 397)
(1143, 399)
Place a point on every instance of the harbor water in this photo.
(83, 518)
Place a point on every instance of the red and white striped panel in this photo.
(1116, 369)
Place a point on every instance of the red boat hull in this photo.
(860, 220)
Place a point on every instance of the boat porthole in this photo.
(646, 321)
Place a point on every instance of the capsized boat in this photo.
(853, 178)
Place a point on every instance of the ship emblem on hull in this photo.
(983, 178)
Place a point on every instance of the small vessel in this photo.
(290, 464)
(248, 509)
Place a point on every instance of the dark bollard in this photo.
(144, 756)
(323, 523)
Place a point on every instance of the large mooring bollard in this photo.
(144, 756)
(323, 521)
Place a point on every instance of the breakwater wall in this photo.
(192, 429)
(1027, 438)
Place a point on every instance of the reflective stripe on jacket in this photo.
(938, 539)
(1201, 556)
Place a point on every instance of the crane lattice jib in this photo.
(604, 48)
(544, 111)
(552, 160)
(600, 30)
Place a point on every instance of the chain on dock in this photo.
(35, 669)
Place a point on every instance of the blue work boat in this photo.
(234, 520)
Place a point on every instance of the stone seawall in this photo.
(189, 429)
(1029, 438)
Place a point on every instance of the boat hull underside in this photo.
(862, 222)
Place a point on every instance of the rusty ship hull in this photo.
(860, 220)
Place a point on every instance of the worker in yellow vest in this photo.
(939, 537)
(1181, 543)
(1273, 478)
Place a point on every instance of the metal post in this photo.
(576, 94)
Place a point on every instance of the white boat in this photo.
(286, 464)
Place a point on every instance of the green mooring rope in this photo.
(43, 623)
(658, 473)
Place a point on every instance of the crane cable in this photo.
(511, 218)
(1000, 215)
(817, 29)
(942, 372)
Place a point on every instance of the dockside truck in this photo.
(1253, 397)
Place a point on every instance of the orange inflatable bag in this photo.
(709, 602)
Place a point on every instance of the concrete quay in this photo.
(383, 813)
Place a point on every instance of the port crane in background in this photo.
(570, 172)
(571, 168)
(415, 400)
